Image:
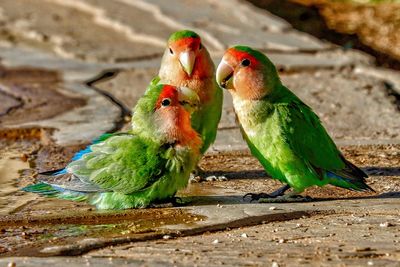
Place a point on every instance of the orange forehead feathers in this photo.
(191, 43)
(168, 91)
(237, 56)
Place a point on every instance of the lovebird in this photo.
(282, 132)
(137, 168)
(186, 62)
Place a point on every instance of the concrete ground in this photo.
(65, 81)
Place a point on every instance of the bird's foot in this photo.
(285, 199)
(177, 201)
(256, 197)
(277, 193)
(170, 203)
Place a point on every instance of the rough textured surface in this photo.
(333, 98)
(380, 31)
(53, 226)
(298, 242)
(65, 81)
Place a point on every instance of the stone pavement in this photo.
(65, 81)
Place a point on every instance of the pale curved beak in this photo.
(224, 75)
(187, 60)
(188, 98)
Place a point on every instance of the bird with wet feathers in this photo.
(137, 168)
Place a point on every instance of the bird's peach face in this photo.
(185, 51)
(239, 71)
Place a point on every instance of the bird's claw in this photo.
(169, 203)
(255, 197)
(286, 199)
(177, 201)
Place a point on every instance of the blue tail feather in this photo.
(78, 155)
(357, 184)
(48, 190)
(41, 188)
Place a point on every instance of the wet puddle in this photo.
(27, 234)
(10, 198)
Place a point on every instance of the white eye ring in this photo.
(165, 102)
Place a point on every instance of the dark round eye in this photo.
(166, 102)
(245, 62)
(171, 51)
(200, 46)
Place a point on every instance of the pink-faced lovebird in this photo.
(137, 168)
(282, 132)
(186, 62)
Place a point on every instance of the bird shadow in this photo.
(232, 175)
(261, 174)
(238, 199)
(382, 171)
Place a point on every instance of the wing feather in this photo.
(121, 163)
(303, 131)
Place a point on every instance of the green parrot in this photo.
(186, 62)
(282, 132)
(137, 168)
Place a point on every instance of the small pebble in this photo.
(216, 241)
(167, 237)
(274, 264)
(222, 178)
(244, 235)
(211, 178)
(11, 264)
(281, 241)
(385, 224)
(370, 263)
(272, 208)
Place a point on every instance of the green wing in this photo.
(303, 131)
(306, 136)
(205, 121)
(122, 163)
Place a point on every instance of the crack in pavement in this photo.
(103, 76)
(390, 88)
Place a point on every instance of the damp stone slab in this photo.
(75, 262)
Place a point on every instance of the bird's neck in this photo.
(251, 112)
(176, 128)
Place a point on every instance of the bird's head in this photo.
(171, 114)
(172, 97)
(247, 72)
(185, 57)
